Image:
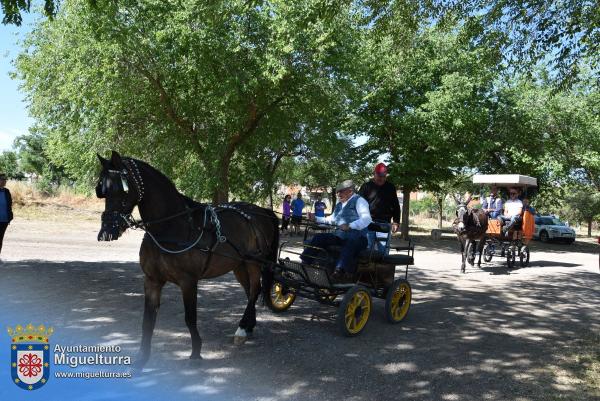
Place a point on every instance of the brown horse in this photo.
(186, 241)
(470, 226)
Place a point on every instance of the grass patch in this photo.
(587, 363)
(30, 203)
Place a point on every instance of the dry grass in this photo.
(578, 368)
(30, 204)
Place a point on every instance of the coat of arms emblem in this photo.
(30, 355)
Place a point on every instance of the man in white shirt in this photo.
(513, 208)
(351, 215)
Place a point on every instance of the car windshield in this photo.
(549, 221)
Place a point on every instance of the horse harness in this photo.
(210, 212)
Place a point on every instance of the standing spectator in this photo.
(285, 216)
(297, 208)
(6, 214)
(383, 202)
(320, 207)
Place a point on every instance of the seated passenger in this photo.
(527, 206)
(492, 204)
(512, 210)
(352, 217)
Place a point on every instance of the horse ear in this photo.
(102, 160)
(116, 161)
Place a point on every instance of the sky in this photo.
(14, 120)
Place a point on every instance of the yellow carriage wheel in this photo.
(354, 311)
(397, 302)
(281, 298)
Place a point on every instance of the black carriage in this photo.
(515, 243)
(375, 278)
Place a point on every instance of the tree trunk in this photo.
(590, 221)
(221, 191)
(440, 211)
(405, 214)
(333, 199)
(271, 196)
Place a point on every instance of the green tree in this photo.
(583, 204)
(427, 106)
(566, 34)
(183, 85)
(30, 149)
(553, 136)
(9, 164)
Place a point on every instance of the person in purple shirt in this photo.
(287, 212)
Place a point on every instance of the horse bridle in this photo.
(131, 170)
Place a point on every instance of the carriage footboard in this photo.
(300, 273)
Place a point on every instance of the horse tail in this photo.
(267, 269)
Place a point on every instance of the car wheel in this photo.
(544, 236)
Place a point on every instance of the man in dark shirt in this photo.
(383, 200)
(6, 214)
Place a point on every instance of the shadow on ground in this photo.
(491, 343)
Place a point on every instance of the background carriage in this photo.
(375, 278)
(515, 244)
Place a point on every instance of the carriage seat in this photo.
(367, 255)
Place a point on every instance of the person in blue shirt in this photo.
(320, 207)
(493, 205)
(297, 208)
(6, 214)
(351, 217)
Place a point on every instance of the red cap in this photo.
(381, 169)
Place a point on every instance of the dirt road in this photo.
(490, 334)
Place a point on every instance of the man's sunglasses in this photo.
(514, 193)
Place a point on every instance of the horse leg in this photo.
(152, 290)
(481, 244)
(189, 290)
(463, 247)
(249, 276)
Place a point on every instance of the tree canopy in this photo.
(234, 98)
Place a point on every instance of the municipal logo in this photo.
(30, 355)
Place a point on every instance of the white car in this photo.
(551, 228)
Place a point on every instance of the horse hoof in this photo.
(240, 336)
(239, 340)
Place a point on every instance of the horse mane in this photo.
(160, 179)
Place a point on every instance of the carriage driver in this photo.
(512, 209)
(492, 204)
(351, 216)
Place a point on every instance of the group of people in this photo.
(293, 210)
(376, 200)
(508, 212)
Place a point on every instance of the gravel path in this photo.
(490, 334)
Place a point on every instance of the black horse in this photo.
(186, 241)
(470, 226)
